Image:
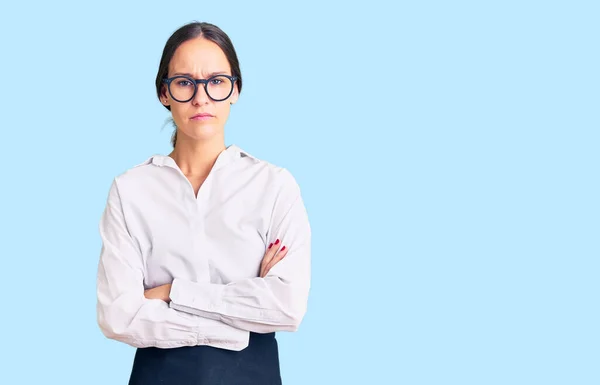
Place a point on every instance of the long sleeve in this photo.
(126, 315)
(277, 302)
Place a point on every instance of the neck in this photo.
(195, 158)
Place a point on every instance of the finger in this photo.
(271, 251)
(278, 257)
(267, 259)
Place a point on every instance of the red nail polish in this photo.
(277, 242)
(283, 248)
(271, 245)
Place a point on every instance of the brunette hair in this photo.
(188, 32)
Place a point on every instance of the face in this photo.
(200, 59)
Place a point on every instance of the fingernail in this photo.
(271, 245)
(283, 248)
(277, 242)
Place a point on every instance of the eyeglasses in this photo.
(183, 88)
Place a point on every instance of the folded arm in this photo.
(123, 312)
(276, 302)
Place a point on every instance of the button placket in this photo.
(200, 210)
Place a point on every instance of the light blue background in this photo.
(447, 152)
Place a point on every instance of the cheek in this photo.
(223, 109)
(178, 113)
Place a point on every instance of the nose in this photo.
(201, 96)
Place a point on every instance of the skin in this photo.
(199, 143)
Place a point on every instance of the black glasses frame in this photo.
(195, 82)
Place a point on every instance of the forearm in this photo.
(141, 322)
(259, 305)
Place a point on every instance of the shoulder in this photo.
(137, 173)
(276, 175)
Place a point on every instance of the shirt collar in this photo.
(227, 156)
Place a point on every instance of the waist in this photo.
(257, 363)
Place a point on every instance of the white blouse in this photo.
(155, 231)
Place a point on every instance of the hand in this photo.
(272, 256)
(159, 292)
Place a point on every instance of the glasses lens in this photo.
(182, 89)
(219, 87)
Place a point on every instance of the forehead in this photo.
(199, 57)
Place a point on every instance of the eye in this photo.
(184, 83)
(216, 81)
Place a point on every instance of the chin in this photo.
(202, 131)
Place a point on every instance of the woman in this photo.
(206, 251)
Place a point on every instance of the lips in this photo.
(202, 115)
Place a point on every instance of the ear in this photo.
(234, 95)
(164, 99)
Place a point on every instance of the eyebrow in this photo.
(208, 75)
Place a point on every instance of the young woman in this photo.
(205, 251)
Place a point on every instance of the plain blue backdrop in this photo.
(447, 153)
